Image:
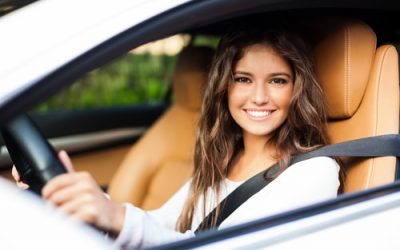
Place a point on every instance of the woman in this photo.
(263, 105)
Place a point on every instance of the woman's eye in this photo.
(278, 81)
(242, 80)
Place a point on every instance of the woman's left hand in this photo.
(77, 194)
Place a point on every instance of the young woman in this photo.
(263, 105)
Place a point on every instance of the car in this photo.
(46, 46)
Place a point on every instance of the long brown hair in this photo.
(219, 138)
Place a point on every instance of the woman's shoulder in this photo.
(317, 162)
(321, 167)
(317, 177)
(301, 184)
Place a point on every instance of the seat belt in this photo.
(375, 146)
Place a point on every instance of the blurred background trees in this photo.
(135, 78)
(141, 76)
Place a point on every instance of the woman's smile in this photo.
(259, 114)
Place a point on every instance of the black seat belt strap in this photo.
(376, 146)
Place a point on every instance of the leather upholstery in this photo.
(162, 160)
(345, 55)
(98, 162)
(361, 84)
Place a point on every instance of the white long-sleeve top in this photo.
(301, 184)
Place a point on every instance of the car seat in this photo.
(361, 86)
(162, 160)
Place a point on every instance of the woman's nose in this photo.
(259, 94)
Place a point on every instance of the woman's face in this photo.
(261, 90)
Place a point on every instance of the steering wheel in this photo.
(35, 159)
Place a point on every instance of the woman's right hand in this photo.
(78, 194)
(17, 178)
(62, 155)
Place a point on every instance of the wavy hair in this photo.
(219, 138)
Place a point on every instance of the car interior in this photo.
(140, 178)
(360, 77)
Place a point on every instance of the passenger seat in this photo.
(162, 160)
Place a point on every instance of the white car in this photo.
(47, 45)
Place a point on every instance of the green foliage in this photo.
(132, 79)
(211, 41)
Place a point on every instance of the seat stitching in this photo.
(382, 61)
(346, 72)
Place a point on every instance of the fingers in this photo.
(62, 155)
(71, 182)
(64, 158)
(63, 195)
(22, 185)
(84, 208)
(78, 194)
(17, 179)
(15, 174)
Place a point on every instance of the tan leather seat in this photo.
(162, 160)
(361, 84)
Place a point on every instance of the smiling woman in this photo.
(258, 71)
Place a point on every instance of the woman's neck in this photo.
(256, 156)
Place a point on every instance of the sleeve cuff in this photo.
(130, 234)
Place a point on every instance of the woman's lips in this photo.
(259, 114)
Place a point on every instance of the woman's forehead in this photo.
(261, 57)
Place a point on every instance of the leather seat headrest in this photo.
(190, 76)
(344, 51)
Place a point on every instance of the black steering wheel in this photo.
(35, 159)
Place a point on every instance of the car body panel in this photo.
(349, 222)
(27, 57)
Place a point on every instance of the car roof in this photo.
(45, 35)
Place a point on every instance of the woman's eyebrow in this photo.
(281, 73)
(288, 75)
(242, 73)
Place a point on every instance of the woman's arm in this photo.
(141, 230)
(145, 229)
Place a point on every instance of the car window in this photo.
(142, 76)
